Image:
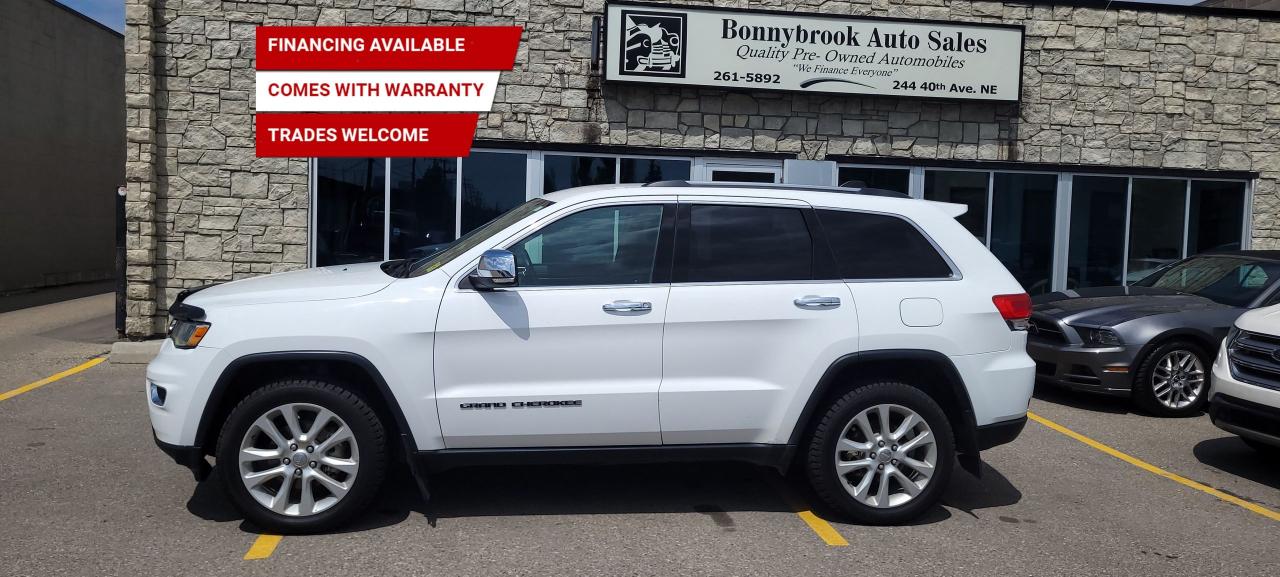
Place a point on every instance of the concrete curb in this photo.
(134, 353)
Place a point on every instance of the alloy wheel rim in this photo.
(1178, 380)
(298, 459)
(886, 456)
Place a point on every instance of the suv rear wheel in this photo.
(301, 456)
(882, 453)
(1171, 381)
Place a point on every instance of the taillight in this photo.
(1015, 308)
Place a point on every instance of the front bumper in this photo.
(1106, 370)
(189, 457)
(1244, 409)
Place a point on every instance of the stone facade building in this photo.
(1112, 98)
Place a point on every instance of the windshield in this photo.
(1226, 279)
(475, 237)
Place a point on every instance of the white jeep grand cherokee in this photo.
(866, 335)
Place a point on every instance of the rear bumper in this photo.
(997, 434)
(1106, 370)
(189, 457)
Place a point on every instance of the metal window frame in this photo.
(986, 223)
(703, 166)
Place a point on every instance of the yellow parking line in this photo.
(820, 526)
(42, 382)
(1139, 463)
(263, 547)
(824, 529)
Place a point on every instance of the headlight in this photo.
(187, 334)
(1099, 337)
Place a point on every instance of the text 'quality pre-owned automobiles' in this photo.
(1153, 340)
(864, 336)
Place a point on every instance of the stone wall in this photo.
(1114, 87)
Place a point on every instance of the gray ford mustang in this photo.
(1154, 340)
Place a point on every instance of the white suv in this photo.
(1245, 394)
(864, 334)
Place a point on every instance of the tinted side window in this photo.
(748, 243)
(599, 246)
(877, 246)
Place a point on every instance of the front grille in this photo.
(1046, 329)
(1255, 359)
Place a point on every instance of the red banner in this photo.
(387, 47)
(349, 135)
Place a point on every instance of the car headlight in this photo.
(187, 334)
(1099, 337)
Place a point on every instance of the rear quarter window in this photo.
(880, 246)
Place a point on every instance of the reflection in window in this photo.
(492, 183)
(560, 171)
(895, 179)
(1217, 215)
(961, 187)
(423, 214)
(1022, 220)
(748, 243)
(1156, 222)
(1095, 256)
(600, 246)
(879, 246)
(350, 194)
(654, 169)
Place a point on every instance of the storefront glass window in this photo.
(1095, 256)
(492, 183)
(423, 210)
(961, 187)
(1022, 219)
(1156, 222)
(654, 169)
(350, 211)
(560, 171)
(1217, 215)
(895, 179)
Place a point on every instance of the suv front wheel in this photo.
(301, 456)
(882, 453)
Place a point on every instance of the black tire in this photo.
(1261, 447)
(1143, 382)
(366, 427)
(820, 458)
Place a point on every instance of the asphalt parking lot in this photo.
(85, 492)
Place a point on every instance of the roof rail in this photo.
(804, 187)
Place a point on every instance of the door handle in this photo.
(627, 307)
(816, 302)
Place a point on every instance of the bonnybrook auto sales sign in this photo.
(766, 50)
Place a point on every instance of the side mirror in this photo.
(497, 270)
